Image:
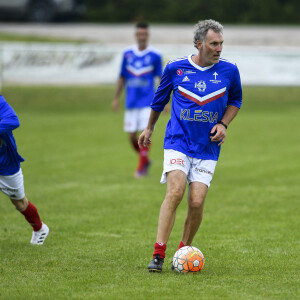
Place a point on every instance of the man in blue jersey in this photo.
(207, 95)
(140, 65)
(11, 177)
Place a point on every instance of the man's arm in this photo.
(218, 132)
(120, 85)
(144, 139)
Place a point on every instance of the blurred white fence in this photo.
(48, 63)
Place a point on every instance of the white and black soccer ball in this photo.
(188, 259)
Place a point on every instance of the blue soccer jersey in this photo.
(9, 157)
(139, 69)
(200, 97)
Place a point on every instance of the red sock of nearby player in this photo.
(135, 146)
(160, 248)
(181, 244)
(143, 157)
(32, 216)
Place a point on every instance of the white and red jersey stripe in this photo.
(140, 71)
(201, 100)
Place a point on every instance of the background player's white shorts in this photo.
(13, 185)
(199, 170)
(136, 119)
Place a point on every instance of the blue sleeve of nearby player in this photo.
(158, 66)
(8, 118)
(123, 66)
(235, 91)
(162, 95)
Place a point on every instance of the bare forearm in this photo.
(144, 139)
(120, 85)
(153, 119)
(230, 113)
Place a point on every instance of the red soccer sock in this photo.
(143, 153)
(32, 216)
(160, 248)
(181, 244)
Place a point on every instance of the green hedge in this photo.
(190, 11)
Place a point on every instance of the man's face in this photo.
(142, 36)
(212, 47)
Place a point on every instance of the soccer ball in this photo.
(188, 259)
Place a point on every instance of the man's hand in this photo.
(144, 139)
(218, 134)
(115, 105)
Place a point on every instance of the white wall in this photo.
(42, 63)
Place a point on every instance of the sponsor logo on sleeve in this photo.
(179, 72)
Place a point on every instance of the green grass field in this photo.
(79, 173)
(14, 37)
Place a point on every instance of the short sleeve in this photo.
(235, 91)
(162, 95)
(8, 118)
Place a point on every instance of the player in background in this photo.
(207, 95)
(11, 177)
(141, 64)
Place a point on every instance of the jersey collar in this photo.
(137, 52)
(196, 66)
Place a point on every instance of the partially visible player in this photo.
(207, 95)
(11, 177)
(141, 64)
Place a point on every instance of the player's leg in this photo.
(30, 212)
(199, 179)
(131, 127)
(133, 138)
(196, 199)
(13, 187)
(144, 161)
(176, 183)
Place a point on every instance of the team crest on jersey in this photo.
(179, 72)
(200, 85)
(138, 64)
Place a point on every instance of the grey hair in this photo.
(202, 27)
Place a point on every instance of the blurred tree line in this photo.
(190, 11)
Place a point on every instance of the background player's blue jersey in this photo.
(9, 157)
(200, 97)
(139, 69)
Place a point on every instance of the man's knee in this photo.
(197, 195)
(175, 195)
(196, 203)
(20, 205)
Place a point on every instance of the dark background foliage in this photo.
(190, 11)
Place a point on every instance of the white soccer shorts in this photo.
(198, 170)
(13, 185)
(136, 119)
